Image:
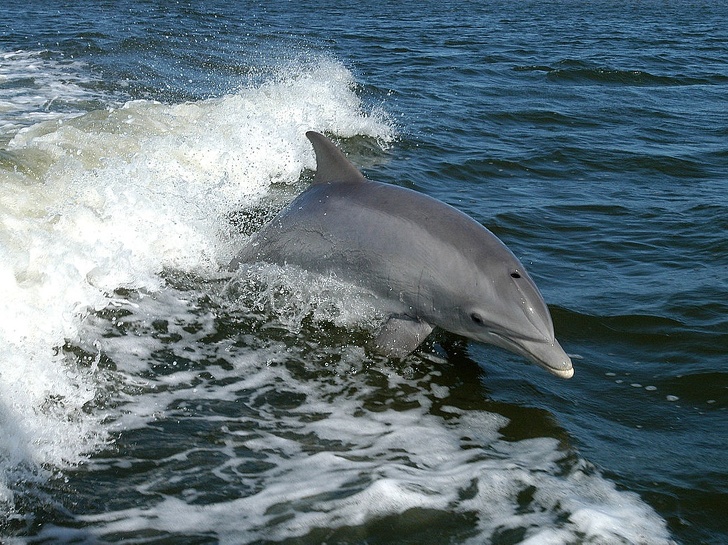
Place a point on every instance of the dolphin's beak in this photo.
(548, 355)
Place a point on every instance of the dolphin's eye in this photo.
(515, 274)
(476, 319)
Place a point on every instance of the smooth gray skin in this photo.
(428, 263)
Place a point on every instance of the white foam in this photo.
(34, 88)
(379, 464)
(292, 295)
(331, 459)
(110, 199)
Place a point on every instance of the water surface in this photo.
(147, 395)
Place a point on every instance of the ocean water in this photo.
(148, 395)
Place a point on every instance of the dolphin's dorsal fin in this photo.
(331, 164)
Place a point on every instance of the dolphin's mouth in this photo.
(548, 355)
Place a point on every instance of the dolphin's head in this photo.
(505, 308)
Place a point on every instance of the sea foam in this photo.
(290, 453)
(92, 203)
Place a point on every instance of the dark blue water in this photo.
(148, 397)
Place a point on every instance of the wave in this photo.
(35, 87)
(109, 199)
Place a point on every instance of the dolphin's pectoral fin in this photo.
(400, 335)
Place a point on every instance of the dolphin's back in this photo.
(369, 229)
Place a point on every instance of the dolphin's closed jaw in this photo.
(548, 355)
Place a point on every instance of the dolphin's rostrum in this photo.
(428, 263)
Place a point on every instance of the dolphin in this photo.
(429, 264)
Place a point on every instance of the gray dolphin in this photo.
(428, 263)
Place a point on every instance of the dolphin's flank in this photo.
(430, 264)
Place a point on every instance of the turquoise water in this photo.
(148, 396)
